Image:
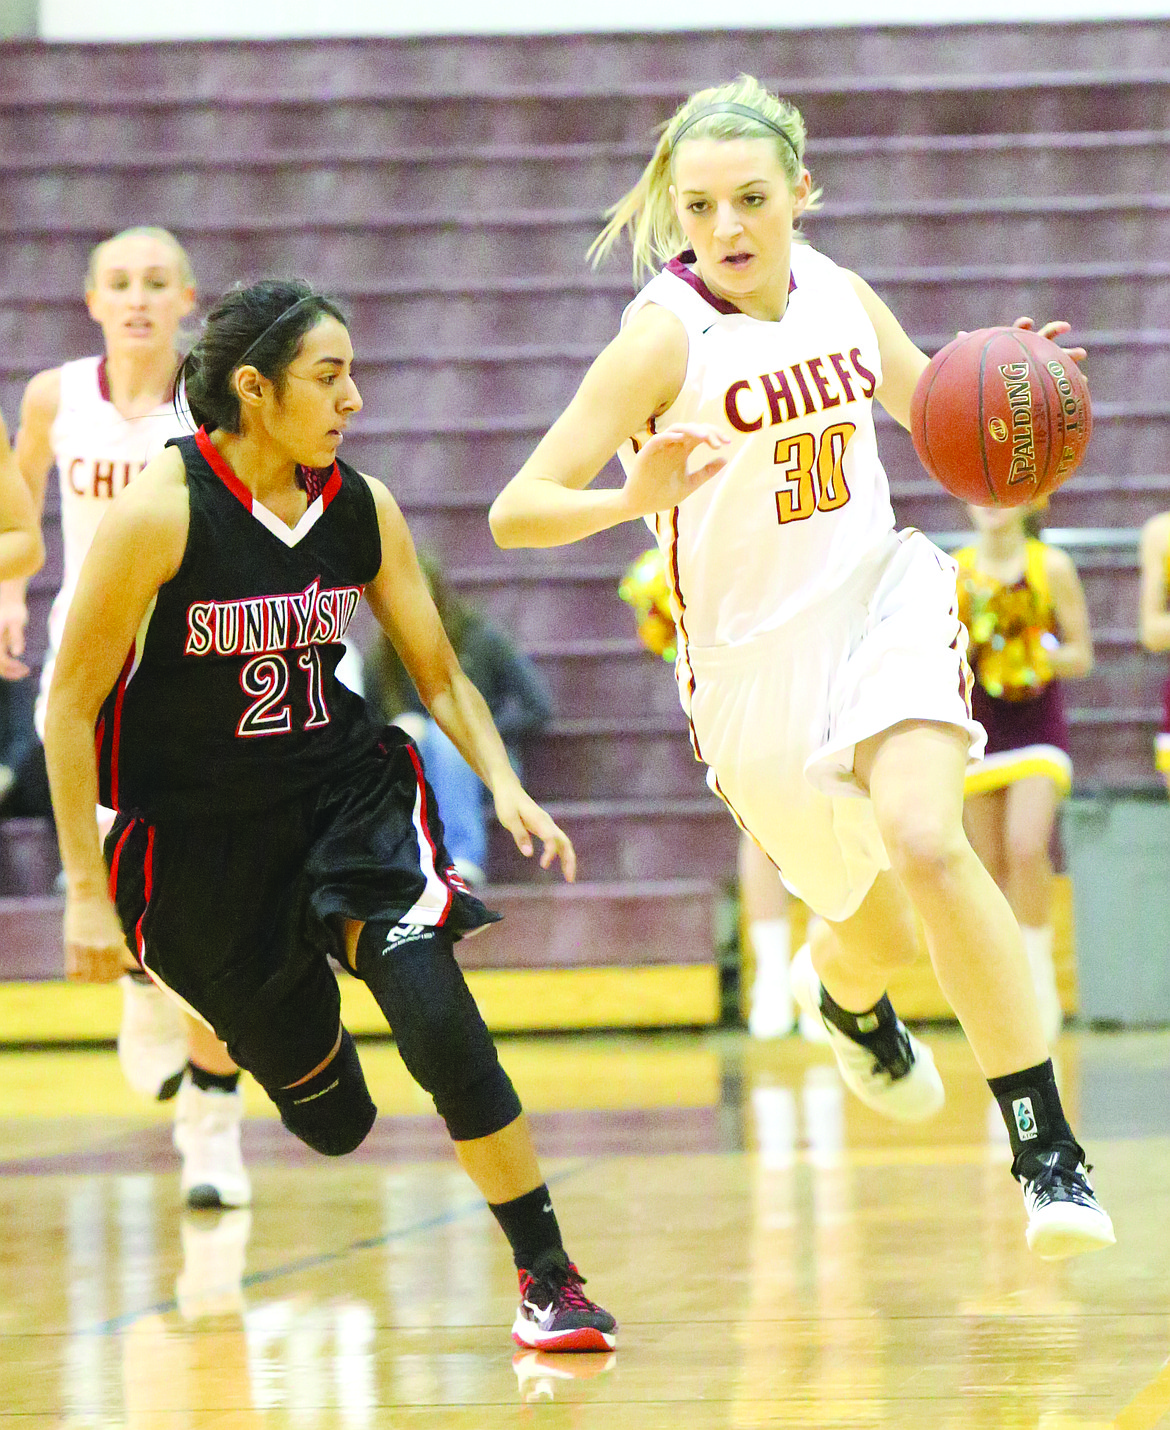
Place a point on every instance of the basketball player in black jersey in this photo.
(266, 820)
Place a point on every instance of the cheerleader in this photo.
(1155, 616)
(1028, 628)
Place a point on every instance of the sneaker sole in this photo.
(582, 1338)
(1070, 1233)
(890, 1101)
(205, 1197)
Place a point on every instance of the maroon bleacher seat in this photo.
(447, 190)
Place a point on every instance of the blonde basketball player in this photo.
(99, 420)
(821, 661)
(1154, 617)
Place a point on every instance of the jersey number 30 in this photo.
(266, 679)
(814, 475)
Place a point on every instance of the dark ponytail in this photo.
(263, 325)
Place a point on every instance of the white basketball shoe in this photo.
(899, 1080)
(1064, 1216)
(152, 1039)
(207, 1138)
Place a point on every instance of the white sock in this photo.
(771, 1013)
(1038, 947)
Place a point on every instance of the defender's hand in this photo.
(523, 818)
(95, 951)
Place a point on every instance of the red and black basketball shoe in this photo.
(555, 1314)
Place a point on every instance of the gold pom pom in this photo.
(644, 587)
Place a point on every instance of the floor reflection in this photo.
(776, 1254)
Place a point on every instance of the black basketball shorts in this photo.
(238, 913)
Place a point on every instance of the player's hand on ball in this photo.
(658, 478)
(1056, 329)
(95, 951)
(524, 819)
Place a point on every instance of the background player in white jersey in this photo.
(99, 420)
(821, 661)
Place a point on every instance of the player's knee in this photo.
(450, 1054)
(478, 1108)
(441, 1036)
(332, 1111)
(925, 848)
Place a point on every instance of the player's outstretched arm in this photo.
(402, 604)
(138, 547)
(21, 549)
(637, 376)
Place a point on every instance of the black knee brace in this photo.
(332, 1111)
(412, 973)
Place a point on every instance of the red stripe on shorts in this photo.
(121, 844)
(148, 882)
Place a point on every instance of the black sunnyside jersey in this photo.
(228, 699)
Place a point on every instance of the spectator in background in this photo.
(18, 748)
(1154, 616)
(1022, 603)
(516, 695)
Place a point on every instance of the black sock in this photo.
(213, 1082)
(1031, 1109)
(530, 1224)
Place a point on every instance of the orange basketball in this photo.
(1001, 416)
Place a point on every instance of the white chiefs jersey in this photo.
(98, 452)
(803, 499)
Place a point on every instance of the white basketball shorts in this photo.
(777, 720)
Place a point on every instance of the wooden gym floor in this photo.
(776, 1255)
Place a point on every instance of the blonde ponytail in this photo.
(647, 211)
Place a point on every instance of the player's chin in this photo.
(324, 452)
